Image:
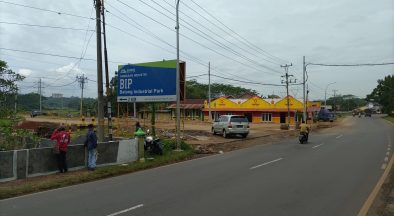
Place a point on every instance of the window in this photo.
(238, 119)
(266, 117)
(223, 119)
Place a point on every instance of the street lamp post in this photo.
(325, 94)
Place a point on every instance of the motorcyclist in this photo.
(304, 129)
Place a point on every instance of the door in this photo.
(282, 117)
(248, 116)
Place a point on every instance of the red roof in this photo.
(189, 104)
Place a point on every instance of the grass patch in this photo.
(389, 118)
(72, 178)
(5, 122)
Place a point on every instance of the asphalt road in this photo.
(331, 175)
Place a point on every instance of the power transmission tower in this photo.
(287, 81)
(82, 80)
(100, 101)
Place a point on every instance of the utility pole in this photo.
(325, 94)
(81, 80)
(303, 85)
(100, 101)
(209, 91)
(16, 102)
(178, 98)
(40, 92)
(287, 81)
(334, 107)
(108, 92)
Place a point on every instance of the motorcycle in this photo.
(303, 138)
(153, 146)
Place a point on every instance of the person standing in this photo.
(91, 145)
(137, 126)
(62, 138)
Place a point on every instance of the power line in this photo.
(189, 38)
(211, 31)
(54, 55)
(208, 37)
(147, 31)
(45, 26)
(245, 41)
(143, 29)
(257, 83)
(61, 85)
(47, 54)
(46, 10)
(352, 65)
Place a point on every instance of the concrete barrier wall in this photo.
(19, 164)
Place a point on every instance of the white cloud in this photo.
(71, 68)
(25, 72)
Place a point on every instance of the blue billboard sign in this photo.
(146, 84)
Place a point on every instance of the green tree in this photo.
(196, 90)
(8, 86)
(384, 94)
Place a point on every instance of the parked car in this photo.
(35, 113)
(231, 125)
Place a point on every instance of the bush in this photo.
(169, 145)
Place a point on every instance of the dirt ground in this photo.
(194, 132)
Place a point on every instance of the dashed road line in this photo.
(266, 163)
(316, 146)
(339, 136)
(387, 153)
(126, 210)
(383, 166)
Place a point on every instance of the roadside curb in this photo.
(372, 197)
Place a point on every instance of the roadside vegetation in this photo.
(389, 118)
(42, 183)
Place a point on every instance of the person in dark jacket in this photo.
(62, 138)
(91, 145)
(137, 126)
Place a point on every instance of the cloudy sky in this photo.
(245, 41)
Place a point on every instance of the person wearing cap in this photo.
(91, 145)
(62, 138)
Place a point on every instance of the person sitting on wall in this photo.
(91, 145)
(62, 138)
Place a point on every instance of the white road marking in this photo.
(387, 153)
(388, 149)
(266, 163)
(339, 136)
(384, 166)
(386, 159)
(126, 210)
(318, 145)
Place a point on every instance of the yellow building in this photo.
(259, 110)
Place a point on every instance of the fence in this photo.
(19, 164)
